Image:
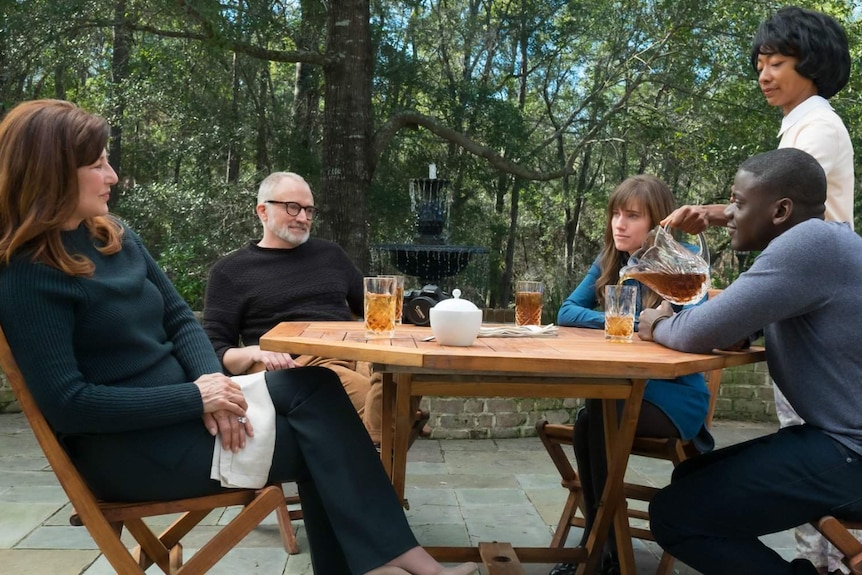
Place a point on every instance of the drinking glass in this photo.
(620, 305)
(528, 303)
(379, 307)
(399, 297)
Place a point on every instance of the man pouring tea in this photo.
(803, 292)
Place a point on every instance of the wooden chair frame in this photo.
(672, 449)
(105, 520)
(836, 531)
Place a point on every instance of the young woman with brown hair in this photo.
(671, 408)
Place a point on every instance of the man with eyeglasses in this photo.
(285, 276)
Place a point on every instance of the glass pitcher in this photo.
(677, 270)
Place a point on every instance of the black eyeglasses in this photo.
(293, 209)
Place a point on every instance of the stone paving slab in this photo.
(460, 492)
(18, 520)
(45, 562)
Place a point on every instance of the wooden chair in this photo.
(672, 449)
(105, 520)
(675, 450)
(836, 531)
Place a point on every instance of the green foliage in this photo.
(606, 88)
(188, 229)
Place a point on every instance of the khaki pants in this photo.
(364, 389)
(355, 377)
(373, 416)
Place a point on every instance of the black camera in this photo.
(418, 304)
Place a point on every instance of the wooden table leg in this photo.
(403, 420)
(613, 430)
(612, 507)
(388, 424)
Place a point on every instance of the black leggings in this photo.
(589, 446)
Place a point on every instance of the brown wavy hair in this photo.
(42, 145)
(655, 198)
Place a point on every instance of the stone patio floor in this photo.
(459, 492)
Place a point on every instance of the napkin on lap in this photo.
(549, 330)
(249, 467)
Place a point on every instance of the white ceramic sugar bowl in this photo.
(455, 321)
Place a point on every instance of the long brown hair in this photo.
(42, 145)
(652, 196)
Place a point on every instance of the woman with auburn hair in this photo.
(125, 375)
(671, 408)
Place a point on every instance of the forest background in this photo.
(533, 110)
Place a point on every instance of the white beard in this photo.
(291, 237)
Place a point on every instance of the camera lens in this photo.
(418, 310)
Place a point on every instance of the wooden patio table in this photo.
(576, 363)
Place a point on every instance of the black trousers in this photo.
(353, 518)
(719, 503)
(588, 442)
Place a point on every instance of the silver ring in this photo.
(241, 419)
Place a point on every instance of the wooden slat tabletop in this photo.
(573, 351)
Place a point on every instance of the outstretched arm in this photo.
(239, 360)
(695, 219)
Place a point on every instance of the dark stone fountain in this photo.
(429, 258)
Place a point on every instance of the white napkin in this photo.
(249, 467)
(549, 330)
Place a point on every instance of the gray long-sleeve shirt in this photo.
(805, 291)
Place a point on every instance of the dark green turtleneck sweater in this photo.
(110, 353)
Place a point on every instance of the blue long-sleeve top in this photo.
(685, 400)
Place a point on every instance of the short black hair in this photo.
(789, 173)
(816, 39)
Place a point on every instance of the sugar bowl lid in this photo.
(455, 303)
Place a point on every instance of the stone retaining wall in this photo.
(7, 398)
(745, 395)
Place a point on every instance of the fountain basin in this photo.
(430, 263)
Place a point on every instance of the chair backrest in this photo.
(105, 521)
(79, 494)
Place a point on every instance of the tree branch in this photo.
(293, 56)
(414, 119)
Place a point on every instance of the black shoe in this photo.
(564, 569)
(610, 564)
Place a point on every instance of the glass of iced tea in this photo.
(379, 307)
(620, 306)
(528, 303)
(399, 297)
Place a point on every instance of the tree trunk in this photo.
(119, 73)
(233, 154)
(261, 156)
(498, 237)
(573, 214)
(508, 273)
(348, 162)
(306, 92)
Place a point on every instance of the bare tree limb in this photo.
(292, 56)
(414, 119)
